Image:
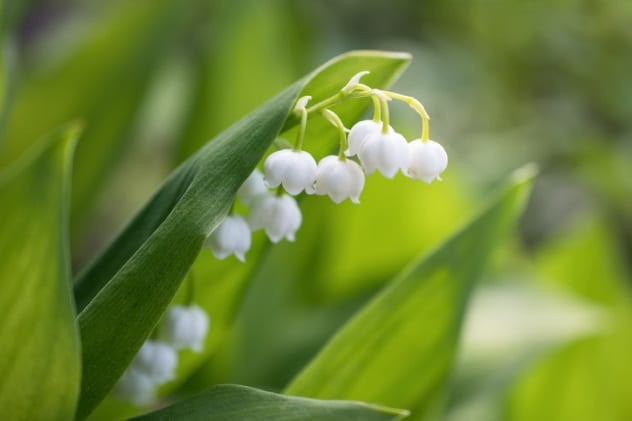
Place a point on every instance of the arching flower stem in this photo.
(385, 115)
(377, 108)
(360, 90)
(190, 294)
(342, 130)
(419, 109)
(301, 131)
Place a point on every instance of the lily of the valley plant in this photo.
(369, 146)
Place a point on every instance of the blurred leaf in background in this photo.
(40, 354)
(238, 64)
(100, 77)
(589, 378)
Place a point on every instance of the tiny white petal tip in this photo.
(301, 103)
(355, 80)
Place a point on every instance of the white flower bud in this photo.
(340, 179)
(184, 327)
(231, 236)
(252, 187)
(427, 160)
(354, 81)
(301, 103)
(359, 133)
(279, 216)
(295, 170)
(135, 387)
(157, 361)
(386, 152)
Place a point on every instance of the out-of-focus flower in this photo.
(136, 387)
(156, 360)
(184, 327)
(231, 236)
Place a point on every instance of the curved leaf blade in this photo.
(232, 402)
(398, 350)
(141, 270)
(39, 357)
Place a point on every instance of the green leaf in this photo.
(39, 356)
(7, 73)
(101, 79)
(590, 378)
(399, 349)
(226, 86)
(139, 273)
(232, 402)
(587, 251)
(587, 380)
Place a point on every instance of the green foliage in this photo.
(102, 80)
(39, 356)
(589, 378)
(231, 77)
(585, 261)
(584, 381)
(546, 335)
(230, 402)
(372, 356)
(140, 272)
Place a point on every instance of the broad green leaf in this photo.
(139, 273)
(39, 356)
(585, 261)
(587, 380)
(591, 378)
(102, 79)
(399, 349)
(232, 402)
(508, 327)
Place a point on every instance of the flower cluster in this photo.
(156, 362)
(369, 146)
(276, 213)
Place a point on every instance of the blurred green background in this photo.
(549, 330)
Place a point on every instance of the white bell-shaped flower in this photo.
(184, 327)
(358, 134)
(252, 187)
(157, 361)
(427, 160)
(135, 387)
(279, 216)
(340, 179)
(295, 170)
(231, 236)
(386, 152)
